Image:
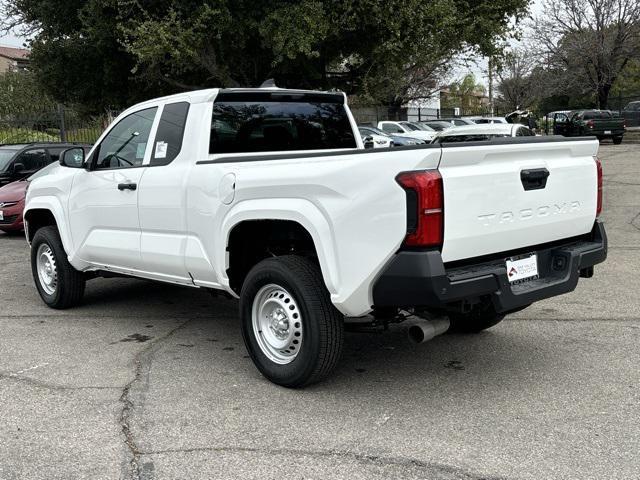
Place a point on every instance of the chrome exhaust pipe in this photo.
(422, 330)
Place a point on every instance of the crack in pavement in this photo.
(632, 222)
(359, 457)
(52, 386)
(144, 356)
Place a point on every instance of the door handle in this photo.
(534, 179)
(127, 186)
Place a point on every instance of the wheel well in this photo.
(38, 218)
(252, 241)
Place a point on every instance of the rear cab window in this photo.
(168, 141)
(247, 122)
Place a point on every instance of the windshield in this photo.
(44, 171)
(409, 126)
(420, 126)
(5, 157)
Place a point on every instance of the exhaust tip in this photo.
(416, 334)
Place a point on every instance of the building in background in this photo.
(13, 59)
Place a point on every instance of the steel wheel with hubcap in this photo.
(277, 324)
(292, 331)
(58, 283)
(47, 269)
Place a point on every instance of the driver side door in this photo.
(103, 204)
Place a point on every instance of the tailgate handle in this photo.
(534, 178)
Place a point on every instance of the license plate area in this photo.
(607, 132)
(522, 268)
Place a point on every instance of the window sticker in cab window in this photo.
(161, 150)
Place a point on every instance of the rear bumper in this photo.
(420, 279)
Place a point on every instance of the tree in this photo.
(466, 94)
(109, 52)
(19, 92)
(516, 88)
(592, 41)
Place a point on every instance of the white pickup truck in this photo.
(268, 194)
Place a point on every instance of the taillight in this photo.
(599, 202)
(590, 123)
(425, 207)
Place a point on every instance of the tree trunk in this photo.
(603, 96)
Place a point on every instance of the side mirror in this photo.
(72, 157)
(18, 167)
(368, 142)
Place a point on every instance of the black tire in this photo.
(482, 316)
(322, 325)
(617, 140)
(70, 284)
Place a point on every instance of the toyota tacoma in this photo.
(268, 194)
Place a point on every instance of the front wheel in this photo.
(58, 283)
(292, 331)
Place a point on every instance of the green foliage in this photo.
(19, 92)
(109, 53)
(628, 82)
(466, 94)
(21, 135)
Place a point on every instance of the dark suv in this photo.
(19, 161)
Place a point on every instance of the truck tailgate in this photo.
(494, 201)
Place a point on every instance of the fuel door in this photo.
(227, 188)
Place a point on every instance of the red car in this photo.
(12, 198)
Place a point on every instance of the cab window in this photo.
(391, 128)
(168, 141)
(126, 143)
(32, 160)
(269, 122)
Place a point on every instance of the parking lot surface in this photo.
(153, 381)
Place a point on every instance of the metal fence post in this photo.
(63, 132)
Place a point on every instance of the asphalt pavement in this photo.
(152, 381)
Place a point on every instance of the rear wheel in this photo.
(58, 283)
(617, 140)
(292, 331)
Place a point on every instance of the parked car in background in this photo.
(598, 123)
(437, 125)
(407, 129)
(18, 161)
(549, 120)
(480, 120)
(12, 197)
(396, 140)
(476, 133)
(457, 121)
(631, 114)
(378, 140)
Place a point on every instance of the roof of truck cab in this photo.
(206, 95)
